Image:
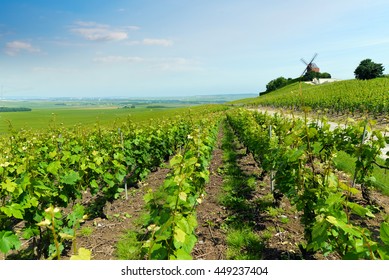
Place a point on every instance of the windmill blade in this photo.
(313, 58)
(305, 70)
(306, 63)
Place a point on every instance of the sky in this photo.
(155, 48)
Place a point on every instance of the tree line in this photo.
(19, 109)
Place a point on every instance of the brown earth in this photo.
(120, 216)
(211, 215)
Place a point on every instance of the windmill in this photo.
(310, 67)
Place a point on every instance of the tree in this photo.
(309, 76)
(276, 84)
(367, 69)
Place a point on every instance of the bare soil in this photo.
(120, 216)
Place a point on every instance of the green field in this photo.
(45, 114)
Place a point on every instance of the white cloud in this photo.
(157, 42)
(132, 27)
(15, 47)
(93, 31)
(90, 24)
(115, 59)
(151, 42)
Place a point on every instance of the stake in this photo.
(271, 171)
(359, 157)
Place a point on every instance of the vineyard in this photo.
(299, 156)
(351, 97)
(55, 181)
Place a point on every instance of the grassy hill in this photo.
(349, 95)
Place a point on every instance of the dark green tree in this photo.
(309, 76)
(276, 84)
(325, 75)
(367, 69)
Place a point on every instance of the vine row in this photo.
(299, 158)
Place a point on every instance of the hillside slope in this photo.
(343, 96)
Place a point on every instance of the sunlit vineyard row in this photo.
(350, 96)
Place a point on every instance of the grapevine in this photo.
(301, 155)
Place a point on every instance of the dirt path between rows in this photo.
(120, 216)
(211, 244)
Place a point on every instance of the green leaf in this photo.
(64, 198)
(190, 161)
(158, 252)
(179, 235)
(312, 132)
(94, 184)
(70, 178)
(191, 220)
(53, 167)
(360, 210)
(31, 202)
(182, 196)
(190, 242)
(83, 254)
(177, 159)
(182, 255)
(21, 169)
(40, 189)
(15, 210)
(8, 241)
(384, 233)
(9, 186)
(334, 198)
(384, 252)
(348, 188)
(149, 196)
(319, 233)
(184, 225)
(30, 232)
(345, 227)
(52, 154)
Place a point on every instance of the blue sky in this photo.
(139, 48)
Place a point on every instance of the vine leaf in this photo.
(9, 185)
(83, 254)
(182, 255)
(384, 233)
(70, 178)
(14, 210)
(360, 210)
(8, 241)
(53, 167)
(183, 196)
(179, 235)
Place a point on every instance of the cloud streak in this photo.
(93, 31)
(118, 59)
(152, 42)
(157, 42)
(15, 47)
